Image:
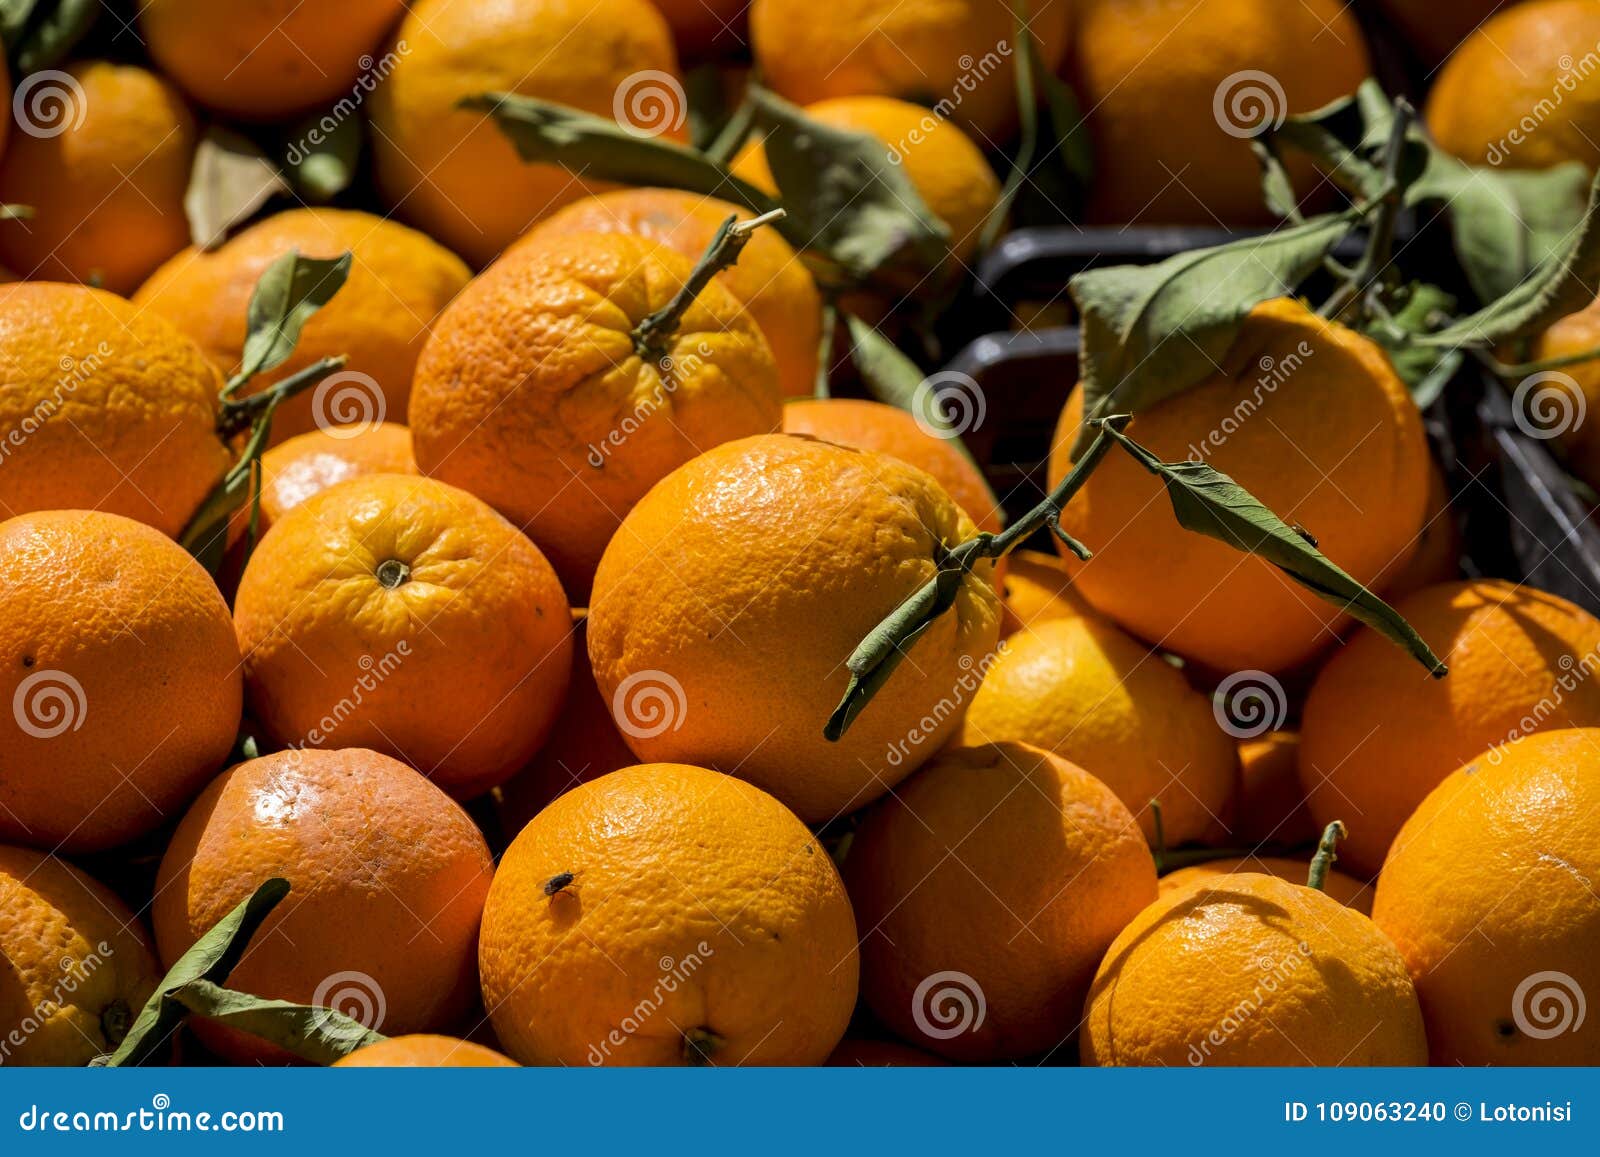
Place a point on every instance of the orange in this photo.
(728, 602)
(404, 615)
(103, 160)
(118, 664)
(1434, 30)
(1565, 404)
(535, 394)
(1511, 94)
(265, 59)
(5, 122)
(79, 965)
(1248, 969)
(1038, 587)
(1174, 89)
(1271, 805)
(664, 915)
(424, 1051)
(387, 881)
(1377, 734)
(451, 171)
(877, 1054)
(107, 408)
(308, 464)
(1489, 895)
(399, 281)
(1348, 890)
(1437, 557)
(584, 744)
(1084, 690)
(988, 886)
(956, 56)
(875, 426)
(941, 162)
(1310, 418)
(769, 280)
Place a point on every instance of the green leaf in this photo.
(1346, 139)
(549, 133)
(322, 155)
(877, 656)
(1210, 503)
(290, 290)
(1563, 283)
(213, 957)
(855, 202)
(319, 1035)
(40, 34)
(1506, 223)
(1152, 331)
(229, 180)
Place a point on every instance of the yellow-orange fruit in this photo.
(1437, 557)
(266, 59)
(1378, 734)
(1038, 587)
(424, 1051)
(534, 392)
(663, 915)
(399, 281)
(769, 279)
(387, 882)
(308, 464)
(1310, 418)
(1489, 895)
(449, 170)
(404, 615)
(1249, 969)
(727, 604)
(1173, 90)
(79, 965)
(957, 56)
(948, 171)
(988, 887)
(1271, 805)
(103, 160)
(107, 408)
(1510, 96)
(118, 662)
(1081, 688)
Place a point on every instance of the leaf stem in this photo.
(1374, 265)
(651, 334)
(1522, 369)
(238, 414)
(1326, 855)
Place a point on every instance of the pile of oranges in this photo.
(524, 623)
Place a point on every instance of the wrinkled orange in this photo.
(424, 1051)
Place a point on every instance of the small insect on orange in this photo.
(559, 882)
